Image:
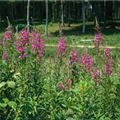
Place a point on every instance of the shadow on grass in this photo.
(75, 31)
(21, 24)
(111, 28)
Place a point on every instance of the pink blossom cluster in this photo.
(96, 75)
(107, 53)
(24, 37)
(7, 36)
(108, 62)
(74, 57)
(6, 43)
(98, 40)
(1, 43)
(38, 45)
(61, 50)
(86, 62)
(4, 55)
(21, 45)
(66, 86)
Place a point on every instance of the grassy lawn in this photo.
(73, 34)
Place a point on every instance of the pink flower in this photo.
(20, 56)
(7, 36)
(21, 49)
(4, 55)
(66, 85)
(61, 50)
(107, 53)
(96, 74)
(74, 57)
(38, 45)
(98, 40)
(22, 44)
(108, 62)
(6, 42)
(86, 62)
(60, 86)
(24, 37)
(108, 68)
(98, 83)
(23, 56)
(1, 43)
(66, 88)
(68, 82)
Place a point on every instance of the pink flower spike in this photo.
(74, 57)
(86, 62)
(38, 45)
(66, 88)
(98, 83)
(7, 36)
(68, 82)
(98, 40)
(107, 53)
(4, 55)
(60, 86)
(96, 74)
(108, 62)
(24, 55)
(21, 45)
(61, 50)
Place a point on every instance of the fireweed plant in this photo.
(22, 44)
(73, 84)
(7, 42)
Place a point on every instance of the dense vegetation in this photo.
(56, 84)
(50, 77)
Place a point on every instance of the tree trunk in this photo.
(46, 27)
(83, 16)
(28, 22)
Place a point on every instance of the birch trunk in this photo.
(83, 16)
(46, 27)
(28, 22)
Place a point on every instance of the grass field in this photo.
(73, 34)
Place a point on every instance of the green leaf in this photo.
(12, 104)
(11, 84)
(2, 84)
(3, 105)
(5, 100)
(70, 112)
(4, 62)
(70, 118)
